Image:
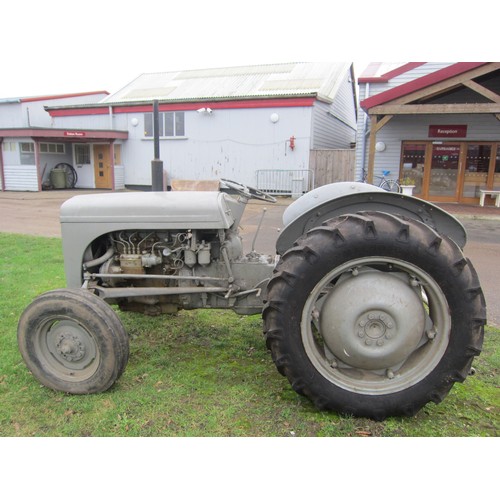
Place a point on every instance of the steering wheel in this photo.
(247, 191)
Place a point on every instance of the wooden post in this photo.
(375, 126)
(371, 148)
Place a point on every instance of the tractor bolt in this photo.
(355, 271)
(389, 373)
(431, 334)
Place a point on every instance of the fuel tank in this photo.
(169, 210)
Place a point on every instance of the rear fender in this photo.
(342, 198)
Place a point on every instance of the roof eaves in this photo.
(62, 96)
(10, 100)
(367, 78)
(143, 102)
(419, 83)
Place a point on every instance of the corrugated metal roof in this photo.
(242, 82)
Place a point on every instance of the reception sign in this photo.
(447, 130)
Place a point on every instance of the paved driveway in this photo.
(38, 214)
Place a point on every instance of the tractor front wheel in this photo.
(73, 341)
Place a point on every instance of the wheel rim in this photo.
(376, 325)
(67, 349)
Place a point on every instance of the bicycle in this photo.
(391, 185)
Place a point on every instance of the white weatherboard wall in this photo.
(119, 177)
(229, 143)
(21, 178)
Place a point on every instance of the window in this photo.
(27, 147)
(49, 147)
(117, 149)
(27, 153)
(412, 164)
(9, 146)
(171, 124)
(82, 154)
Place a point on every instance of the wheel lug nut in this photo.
(389, 374)
(368, 342)
(380, 342)
(361, 334)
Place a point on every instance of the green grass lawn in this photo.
(199, 373)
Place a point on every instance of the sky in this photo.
(56, 46)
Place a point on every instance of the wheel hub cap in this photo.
(372, 320)
(70, 347)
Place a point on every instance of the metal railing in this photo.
(285, 182)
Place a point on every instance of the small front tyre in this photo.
(72, 341)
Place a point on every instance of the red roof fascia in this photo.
(78, 111)
(420, 83)
(189, 106)
(62, 96)
(390, 74)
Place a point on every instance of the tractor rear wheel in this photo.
(374, 315)
(73, 341)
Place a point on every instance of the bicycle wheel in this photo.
(390, 185)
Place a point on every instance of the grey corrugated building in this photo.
(226, 122)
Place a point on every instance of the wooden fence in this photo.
(332, 165)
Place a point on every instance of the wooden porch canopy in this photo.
(423, 96)
(64, 135)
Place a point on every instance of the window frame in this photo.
(27, 153)
(76, 154)
(56, 145)
(31, 148)
(172, 125)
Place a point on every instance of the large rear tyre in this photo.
(374, 315)
(72, 341)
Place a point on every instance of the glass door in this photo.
(495, 183)
(412, 165)
(477, 162)
(444, 172)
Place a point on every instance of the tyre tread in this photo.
(336, 233)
